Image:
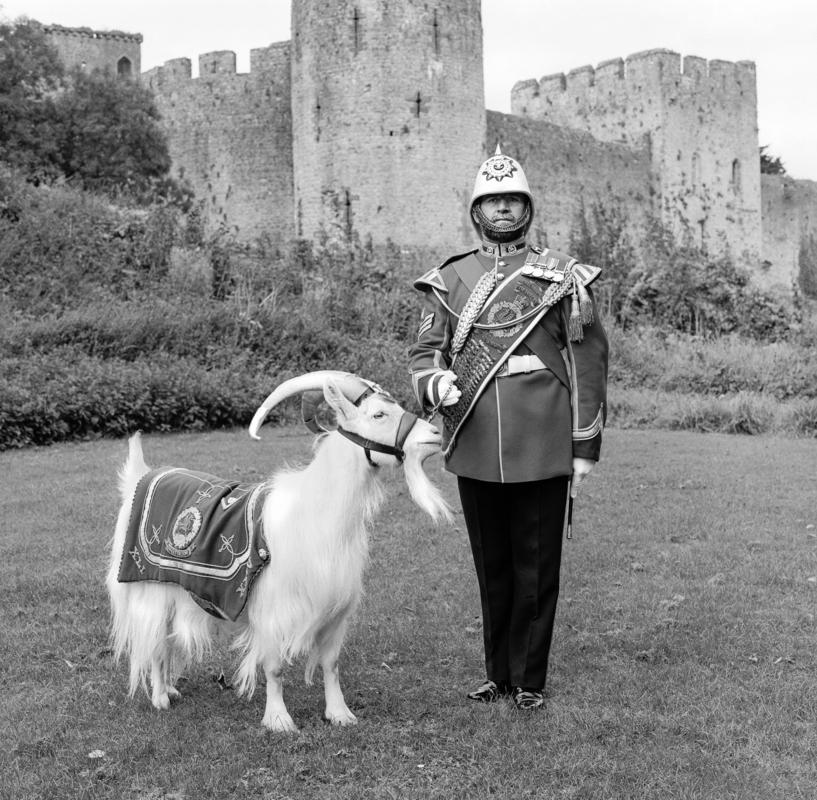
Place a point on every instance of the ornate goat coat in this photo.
(527, 426)
(200, 532)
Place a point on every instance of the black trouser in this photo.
(516, 539)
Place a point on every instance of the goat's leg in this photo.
(160, 697)
(161, 679)
(276, 716)
(337, 712)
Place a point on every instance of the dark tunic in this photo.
(527, 426)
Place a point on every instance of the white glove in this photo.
(581, 469)
(444, 388)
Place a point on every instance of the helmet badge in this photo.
(499, 166)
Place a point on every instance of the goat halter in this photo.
(407, 422)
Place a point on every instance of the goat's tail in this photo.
(133, 469)
(130, 473)
(122, 596)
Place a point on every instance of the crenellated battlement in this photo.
(88, 33)
(220, 63)
(639, 72)
(360, 107)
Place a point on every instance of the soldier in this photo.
(510, 352)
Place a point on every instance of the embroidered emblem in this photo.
(157, 534)
(137, 559)
(499, 167)
(181, 541)
(503, 312)
(227, 544)
(425, 323)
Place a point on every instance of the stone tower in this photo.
(113, 52)
(698, 120)
(388, 118)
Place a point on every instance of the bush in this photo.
(670, 285)
(672, 362)
(100, 334)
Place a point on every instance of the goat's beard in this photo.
(423, 492)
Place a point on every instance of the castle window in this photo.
(317, 120)
(735, 182)
(436, 25)
(418, 105)
(124, 67)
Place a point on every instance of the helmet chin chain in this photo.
(501, 233)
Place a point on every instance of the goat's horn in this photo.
(350, 384)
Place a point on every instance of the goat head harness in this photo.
(407, 422)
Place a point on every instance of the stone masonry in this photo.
(372, 121)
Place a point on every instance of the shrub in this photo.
(118, 341)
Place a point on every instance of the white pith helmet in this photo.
(500, 174)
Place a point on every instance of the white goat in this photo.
(314, 523)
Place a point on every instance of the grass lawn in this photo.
(683, 666)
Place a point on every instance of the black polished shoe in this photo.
(489, 692)
(528, 699)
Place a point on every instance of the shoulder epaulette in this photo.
(434, 279)
(586, 273)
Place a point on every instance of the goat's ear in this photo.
(344, 409)
(317, 414)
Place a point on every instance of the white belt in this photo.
(516, 365)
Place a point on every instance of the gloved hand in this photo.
(581, 469)
(444, 388)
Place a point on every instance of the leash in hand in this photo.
(439, 403)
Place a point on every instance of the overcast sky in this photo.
(523, 39)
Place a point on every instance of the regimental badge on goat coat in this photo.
(200, 532)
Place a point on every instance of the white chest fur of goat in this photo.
(315, 525)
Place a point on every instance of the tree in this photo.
(100, 131)
(30, 75)
(110, 137)
(770, 165)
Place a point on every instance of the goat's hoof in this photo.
(341, 717)
(161, 701)
(280, 723)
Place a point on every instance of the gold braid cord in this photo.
(482, 347)
(473, 308)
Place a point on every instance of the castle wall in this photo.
(388, 117)
(372, 119)
(699, 120)
(97, 50)
(789, 227)
(566, 169)
(230, 136)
